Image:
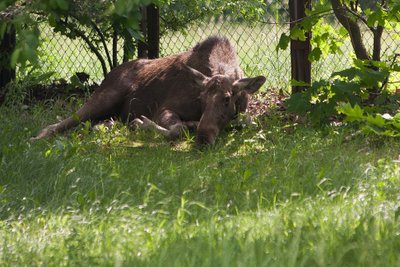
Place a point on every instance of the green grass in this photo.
(269, 195)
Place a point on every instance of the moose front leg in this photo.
(145, 123)
(170, 125)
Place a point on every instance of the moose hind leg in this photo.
(102, 103)
(55, 128)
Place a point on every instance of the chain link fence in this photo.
(255, 42)
(65, 56)
(255, 45)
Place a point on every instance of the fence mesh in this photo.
(255, 44)
(65, 56)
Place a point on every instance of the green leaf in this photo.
(378, 17)
(62, 4)
(352, 114)
(283, 42)
(299, 83)
(315, 54)
(347, 73)
(15, 57)
(298, 34)
(299, 103)
(43, 78)
(119, 7)
(396, 67)
(344, 89)
(371, 129)
(397, 117)
(371, 78)
(396, 125)
(376, 120)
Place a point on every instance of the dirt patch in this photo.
(262, 103)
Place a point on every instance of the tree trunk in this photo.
(7, 74)
(299, 50)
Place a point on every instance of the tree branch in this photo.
(103, 41)
(360, 17)
(378, 31)
(92, 47)
(342, 14)
(14, 10)
(115, 48)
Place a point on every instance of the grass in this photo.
(273, 194)
(269, 195)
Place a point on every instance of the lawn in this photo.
(273, 194)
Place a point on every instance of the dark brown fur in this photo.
(203, 87)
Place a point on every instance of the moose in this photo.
(202, 89)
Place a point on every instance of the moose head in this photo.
(222, 98)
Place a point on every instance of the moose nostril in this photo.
(204, 139)
(227, 100)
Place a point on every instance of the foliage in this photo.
(96, 22)
(385, 125)
(366, 83)
(326, 38)
(101, 24)
(18, 90)
(375, 15)
(179, 14)
(352, 85)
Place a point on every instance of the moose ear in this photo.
(250, 85)
(198, 77)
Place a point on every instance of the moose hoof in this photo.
(143, 123)
(46, 132)
(107, 125)
(136, 124)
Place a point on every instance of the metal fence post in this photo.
(142, 44)
(299, 50)
(153, 31)
(150, 27)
